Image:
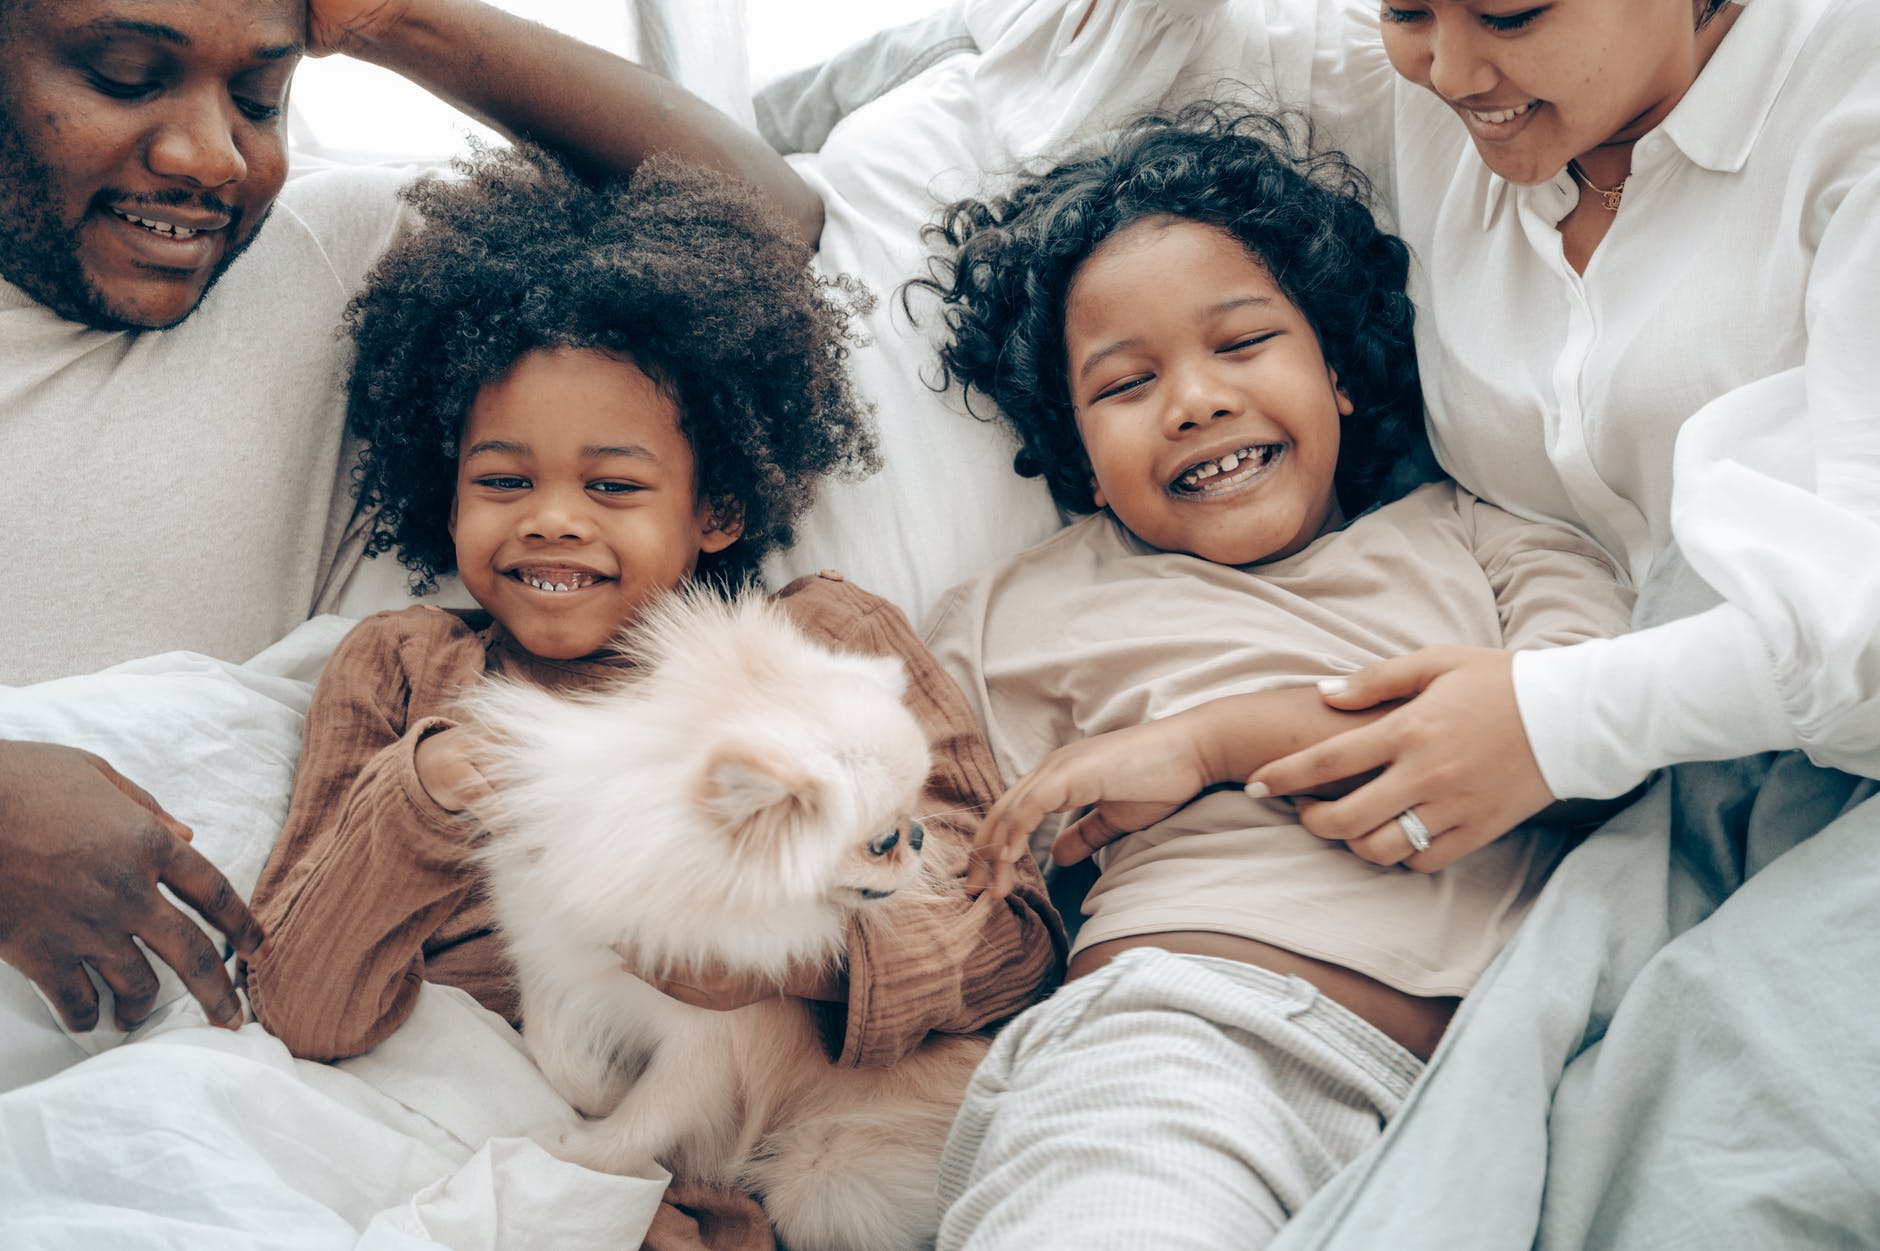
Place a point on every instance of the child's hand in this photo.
(1456, 752)
(1135, 777)
(721, 991)
(447, 769)
(342, 25)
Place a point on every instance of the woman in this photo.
(1648, 246)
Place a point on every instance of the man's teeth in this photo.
(1261, 453)
(162, 228)
(1502, 115)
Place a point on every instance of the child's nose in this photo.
(557, 516)
(1196, 397)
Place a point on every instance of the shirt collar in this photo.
(1717, 123)
(512, 659)
(1720, 118)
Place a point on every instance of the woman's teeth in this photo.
(1497, 116)
(1255, 457)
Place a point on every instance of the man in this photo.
(171, 387)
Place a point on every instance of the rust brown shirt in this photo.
(371, 889)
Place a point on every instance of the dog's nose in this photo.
(915, 835)
(883, 845)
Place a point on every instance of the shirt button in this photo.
(831, 575)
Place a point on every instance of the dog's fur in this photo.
(728, 805)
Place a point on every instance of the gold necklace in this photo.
(1609, 196)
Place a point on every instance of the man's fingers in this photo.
(132, 981)
(143, 799)
(184, 947)
(200, 884)
(70, 991)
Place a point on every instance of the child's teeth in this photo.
(1229, 463)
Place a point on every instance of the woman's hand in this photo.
(1135, 777)
(722, 991)
(345, 25)
(447, 769)
(1456, 752)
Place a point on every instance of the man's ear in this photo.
(1345, 407)
(719, 525)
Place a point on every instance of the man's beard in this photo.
(39, 253)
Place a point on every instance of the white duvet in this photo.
(183, 1135)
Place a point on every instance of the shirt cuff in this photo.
(1601, 715)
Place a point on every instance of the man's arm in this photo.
(604, 114)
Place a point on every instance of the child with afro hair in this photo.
(1203, 341)
(579, 398)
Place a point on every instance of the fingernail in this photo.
(1333, 686)
(1257, 790)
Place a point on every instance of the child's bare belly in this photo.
(1414, 1022)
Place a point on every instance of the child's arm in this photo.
(369, 865)
(1136, 777)
(604, 114)
(1456, 746)
(940, 960)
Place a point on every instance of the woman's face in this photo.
(1539, 84)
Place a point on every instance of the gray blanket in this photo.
(1681, 1047)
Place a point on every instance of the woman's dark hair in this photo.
(1011, 260)
(678, 270)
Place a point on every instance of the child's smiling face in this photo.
(1207, 410)
(576, 500)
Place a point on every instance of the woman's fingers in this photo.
(1400, 677)
(1342, 756)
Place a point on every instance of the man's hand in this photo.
(345, 25)
(82, 851)
(1135, 777)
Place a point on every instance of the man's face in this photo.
(142, 143)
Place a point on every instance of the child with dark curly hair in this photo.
(579, 398)
(1203, 341)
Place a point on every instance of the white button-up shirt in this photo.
(1729, 322)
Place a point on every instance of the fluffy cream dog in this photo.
(729, 806)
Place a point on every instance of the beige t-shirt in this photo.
(1093, 631)
(190, 488)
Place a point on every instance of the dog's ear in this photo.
(755, 788)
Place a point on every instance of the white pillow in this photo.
(946, 502)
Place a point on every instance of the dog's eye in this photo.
(884, 844)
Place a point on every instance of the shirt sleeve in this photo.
(1053, 73)
(1551, 586)
(936, 959)
(368, 867)
(1776, 505)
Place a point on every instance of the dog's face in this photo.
(819, 792)
(734, 801)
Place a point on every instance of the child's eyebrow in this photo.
(1225, 306)
(634, 450)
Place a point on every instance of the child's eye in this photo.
(1120, 388)
(1503, 23)
(504, 482)
(1401, 16)
(613, 486)
(1256, 340)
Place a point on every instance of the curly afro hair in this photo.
(1010, 262)
(677, 269)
